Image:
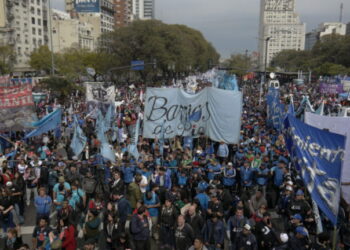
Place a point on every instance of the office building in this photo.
(280, 29)
(143, 9)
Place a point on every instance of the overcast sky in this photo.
(232, 25)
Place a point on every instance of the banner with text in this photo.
(16, 104)
(214, 112)
(318, 155)
(275, 109)
(339, 125)
(99, 96)
(326, 88)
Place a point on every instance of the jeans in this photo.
(7, 222)
(18, 214)
(29, 192)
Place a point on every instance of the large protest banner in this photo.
(99, 95)
(339, 125)
(214, 112)
(326, 88)
(275, 109)
(16, 104)
(318, 156)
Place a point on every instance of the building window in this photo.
(38, 2)
(39, 21)
(32, 10)
(33, 31)
(33, 20)
(39, 32)
(38, 12)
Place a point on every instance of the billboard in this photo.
(87, 5)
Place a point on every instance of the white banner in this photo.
(339, 125)
(97, 92)
(214, 112)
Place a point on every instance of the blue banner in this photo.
(137, 65)
(318, 155)
(275, 109)
(87, 5)
(49, 122)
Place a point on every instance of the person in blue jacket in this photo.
(214, 233)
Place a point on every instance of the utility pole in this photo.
(341, 12)
(263, 79)
(51, 40)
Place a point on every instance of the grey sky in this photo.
(232, 25)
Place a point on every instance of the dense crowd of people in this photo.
(198, 196)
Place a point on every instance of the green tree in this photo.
(40, 59)
(59, 86)
(7, 59)
(240, 64)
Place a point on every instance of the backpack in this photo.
(80, 205)
(44, 175)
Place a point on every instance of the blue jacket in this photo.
(262, 179)
(43, 204)
(217, 231)
(247, 175)
(137, 228)
(203, 200)
(124, 209)
(128, 173)
(229, 178)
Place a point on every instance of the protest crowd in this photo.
(179, 193)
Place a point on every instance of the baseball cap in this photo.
(302, 230)
(289, 188)
(230, 164)
(247, 227)
(284, 237)
(300, 192)
(297, 217)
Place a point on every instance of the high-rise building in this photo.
(280, 29)
(143, 9)
(122, 12)
(68, 33)
(348, 29)
(24, 25)
(323, 29)
(98, 13)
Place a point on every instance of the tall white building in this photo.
(143, 9)
(324, 29)
(280, 29)
(24, 24)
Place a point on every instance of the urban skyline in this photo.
(233, 30)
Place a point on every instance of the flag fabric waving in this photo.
(318, 155)
(49, 122)
(79, 139)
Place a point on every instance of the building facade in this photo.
(68, 33)
(324, 29)
(101, 16)
(143, 9)
(280, 29)
(24, 24)
(122, 12)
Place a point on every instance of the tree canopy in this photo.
(240, 64)
(329, 56)
(7, 59)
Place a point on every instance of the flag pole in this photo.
(334, 242)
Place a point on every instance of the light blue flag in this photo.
(44, 119)
(132, 147)
(79, 139)
(50, 123)
(320, 109)
(110, 116)
(107, 152)
(100, 128)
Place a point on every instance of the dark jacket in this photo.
(214, 231)
(118, 188)
(196, 222)
(184, 237)
(139, 228)
(124, 209)
(246, 242)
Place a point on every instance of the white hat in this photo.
(289, 183)
(289, 188)
(284, 237)
(230, 164)
(8, 184)
(247, 227)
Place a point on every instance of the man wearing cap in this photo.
(300, 241)
(229, 179)
(299, 205)
(215, 206)
(283, 242)
(265, 233)
(296, 221)
(246, 240)
(66, 185)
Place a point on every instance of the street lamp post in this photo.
(51, 40)
(263, 79)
